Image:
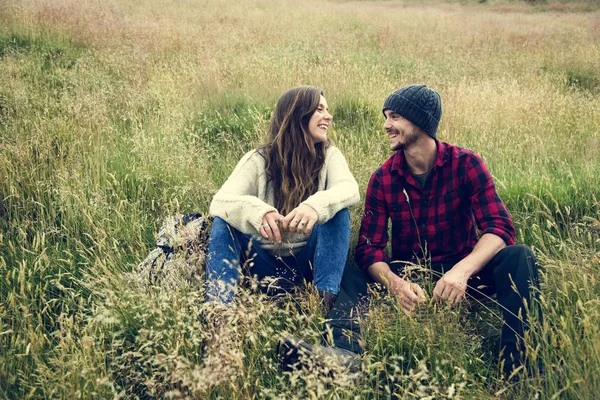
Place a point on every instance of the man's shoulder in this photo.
(460, 153)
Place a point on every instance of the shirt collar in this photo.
(398, 163)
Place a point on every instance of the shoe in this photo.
(512, 367)
(296, 353)
(327, 300)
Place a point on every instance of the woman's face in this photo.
(319, 122)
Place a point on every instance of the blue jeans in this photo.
(322, 259)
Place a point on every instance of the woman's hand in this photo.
(270, 226)
(301, 219)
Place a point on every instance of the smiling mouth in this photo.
(324, 127)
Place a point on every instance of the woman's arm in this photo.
(237, 201)
(341, 190)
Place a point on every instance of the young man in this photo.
(435, 195)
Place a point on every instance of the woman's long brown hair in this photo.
(293, 162)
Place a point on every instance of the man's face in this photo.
(402, 132)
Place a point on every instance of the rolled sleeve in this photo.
(489, 210)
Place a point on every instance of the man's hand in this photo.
(301, 219)
(269, 227)
(409, 294)
(453, 285)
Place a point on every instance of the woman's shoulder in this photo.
(253, 156)
(333, 152)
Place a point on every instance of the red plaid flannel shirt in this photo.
(435, 222)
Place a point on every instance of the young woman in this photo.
(283, 211)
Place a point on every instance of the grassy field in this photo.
(116, 114)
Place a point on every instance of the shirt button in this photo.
(422, 225)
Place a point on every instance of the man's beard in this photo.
(409, 139)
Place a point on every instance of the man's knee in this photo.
(354, 276)
(516, 255)
(517, 260)
(517, 251)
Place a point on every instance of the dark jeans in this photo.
(514, 267)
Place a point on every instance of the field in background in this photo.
(115, 115)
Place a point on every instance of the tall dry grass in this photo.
(114, 115)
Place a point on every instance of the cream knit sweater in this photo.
(243, 199)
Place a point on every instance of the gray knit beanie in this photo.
(419, 104)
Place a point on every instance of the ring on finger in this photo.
(302, 223)
(266, 226)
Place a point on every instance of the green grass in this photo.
(116, 115)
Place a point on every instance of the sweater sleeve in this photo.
(237, 201)
(341, 190)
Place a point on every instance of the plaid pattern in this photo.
(434, 223)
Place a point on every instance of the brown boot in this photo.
(327, 301)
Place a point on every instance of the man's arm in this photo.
(496, 226)
(372, 240)
(489, 210)
(373, 233)
(409, 294)
(453, 285)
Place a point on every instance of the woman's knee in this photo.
(344, 212)
(218, 224)
(339, 224)
(224, 242)
(343, 216)
(220, 229)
